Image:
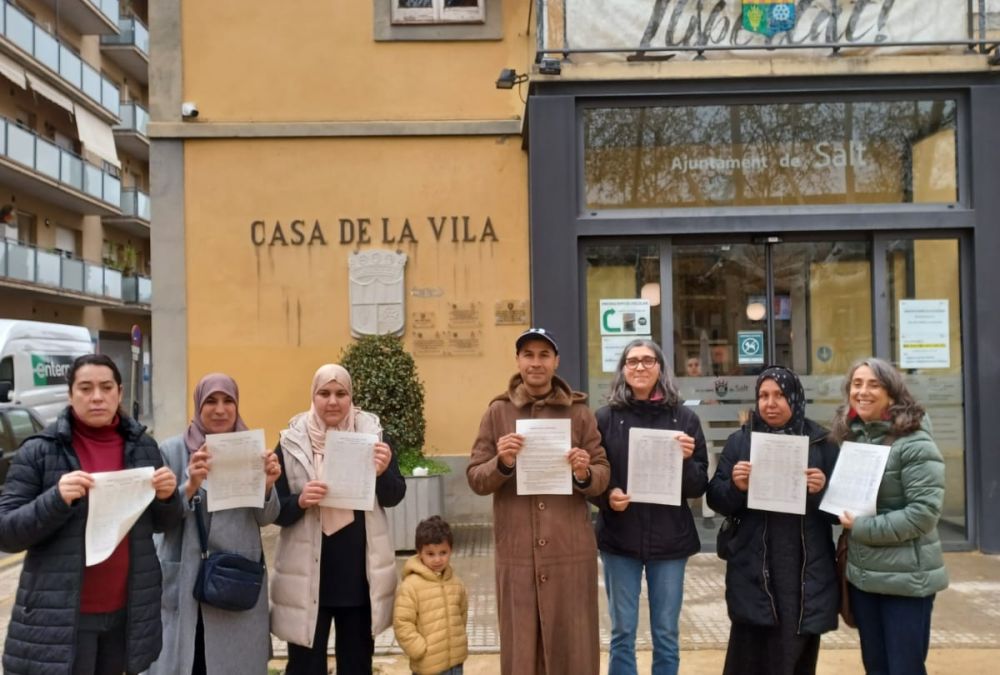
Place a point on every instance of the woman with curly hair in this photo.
(894, 563)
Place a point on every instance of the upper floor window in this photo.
(438, 11)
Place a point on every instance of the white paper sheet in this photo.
(236, 478)
(542, 468)
(115, 502)
(655, 466)
(778, 472)
(856, 478)
(349, 470)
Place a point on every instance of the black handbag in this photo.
(725, 538)
(226, 580)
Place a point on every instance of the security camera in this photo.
(189, 110)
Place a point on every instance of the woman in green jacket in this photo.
(895, 565)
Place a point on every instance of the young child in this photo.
(431, 605)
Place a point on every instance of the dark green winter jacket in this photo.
(897, 551)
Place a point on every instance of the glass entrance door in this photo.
(725, 310)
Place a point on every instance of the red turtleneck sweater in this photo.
(105, 585)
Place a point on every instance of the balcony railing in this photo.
(577, 31)
(109, 8)
(27, 148)
(134, 118)
(135, 203)
(131, 32)
(137, 289)
(23, 262)
(17, 27)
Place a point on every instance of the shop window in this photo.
(813, 153)
(438, 11)
(437, 20)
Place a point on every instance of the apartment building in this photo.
(745, 182)
(74, 171)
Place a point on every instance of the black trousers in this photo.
(353, 641)
(100, 644)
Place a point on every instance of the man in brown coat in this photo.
(546, 554)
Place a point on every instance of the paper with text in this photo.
(778, 466)
(236, 478)
(349, 471)
(115, 502)
(542, 468)
(856, 478)
(655, 466)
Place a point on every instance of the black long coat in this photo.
(41, 638)
(750, 585)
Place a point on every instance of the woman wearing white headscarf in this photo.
(331, 564)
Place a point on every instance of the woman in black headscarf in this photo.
(781, 588)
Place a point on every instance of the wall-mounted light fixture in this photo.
(509, 77)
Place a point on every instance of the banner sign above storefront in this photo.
(623, 24)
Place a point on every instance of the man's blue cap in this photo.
(535, 334)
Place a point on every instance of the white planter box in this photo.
(424, 498)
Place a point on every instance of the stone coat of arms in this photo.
(377, 291)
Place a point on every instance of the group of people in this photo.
(135, 612)
(782, 590)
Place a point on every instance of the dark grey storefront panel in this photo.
(553, 179)
(559, 223)
(984, 322)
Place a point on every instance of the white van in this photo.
(35, 358)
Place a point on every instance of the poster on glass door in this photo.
(924, 338)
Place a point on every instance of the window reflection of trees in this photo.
(641, 157)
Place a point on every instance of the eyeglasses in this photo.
(646, 361)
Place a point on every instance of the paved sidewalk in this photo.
(965, 637)
(966, 616)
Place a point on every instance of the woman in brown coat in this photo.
(546, 553)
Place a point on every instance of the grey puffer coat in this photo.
(41, 638)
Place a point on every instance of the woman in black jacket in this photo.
(636, 536)
(68, 617)
(781, 588)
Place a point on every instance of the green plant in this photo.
(386, 383)
(410, 459)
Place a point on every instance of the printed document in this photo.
(542, 468)
(236, 477)
(778, 472)
(349, 470)
(853, 487)
(655, 466)
(115, 502)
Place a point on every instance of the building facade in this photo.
(747, 183)
(74, 172)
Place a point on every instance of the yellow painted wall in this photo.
(317, 60)
(270, 315)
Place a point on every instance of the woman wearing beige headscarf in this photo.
(331, 564)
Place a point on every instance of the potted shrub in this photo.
(386, 383)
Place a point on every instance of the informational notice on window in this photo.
(611, 349)
(627, 316)
(924, 339)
